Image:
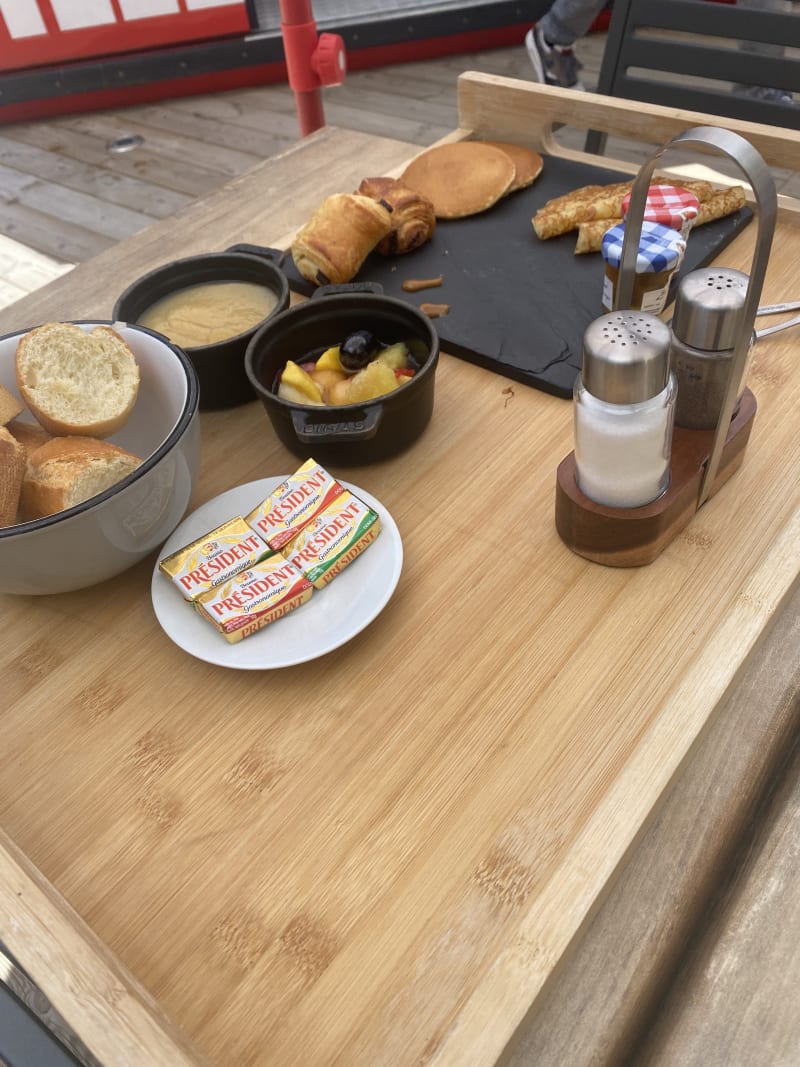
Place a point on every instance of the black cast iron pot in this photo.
(219, 366)
(348, 433)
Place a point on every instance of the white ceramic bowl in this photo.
(110, 532)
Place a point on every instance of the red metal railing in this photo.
(311, 61)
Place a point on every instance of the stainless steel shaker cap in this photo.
(709, 308)
(626, 357)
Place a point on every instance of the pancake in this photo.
(528, 164)
(462, 178)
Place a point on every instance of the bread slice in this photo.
(10, 407)
(29, 434)
(12, 470)
(76, 382)
(68, 470)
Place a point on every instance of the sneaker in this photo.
(763, 92)
(552, 64)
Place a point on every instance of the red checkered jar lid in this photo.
(667, 205)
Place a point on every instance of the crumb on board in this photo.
(414, 285)
(434, 311)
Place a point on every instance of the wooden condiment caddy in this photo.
(701, 460)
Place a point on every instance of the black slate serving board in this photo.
(519, 306)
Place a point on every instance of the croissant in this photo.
(338, 237)
(413, 215)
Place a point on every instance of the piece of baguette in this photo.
(68, 470)
(29, 434)
(76, 382)
(10, 406)
(12, 471)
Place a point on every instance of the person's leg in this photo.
(568, 20)
(549, 42)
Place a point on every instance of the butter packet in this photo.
(214, 558)
(334, 539)
(294, 504)
(255, 597)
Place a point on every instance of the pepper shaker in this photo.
(624, 410)
(706, 323)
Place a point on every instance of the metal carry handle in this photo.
(757, 173)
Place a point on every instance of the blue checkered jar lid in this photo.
(660, 247)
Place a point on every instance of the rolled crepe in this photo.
(590, 235)
(721, 203)
(717, 205)
(599, 202)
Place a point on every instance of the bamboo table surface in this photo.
(382, 856)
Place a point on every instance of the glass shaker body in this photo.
(624, 410)
(707, 324)
(703, 378)
(622, 451)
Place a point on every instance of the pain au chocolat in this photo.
(413, 215)
(338, 237)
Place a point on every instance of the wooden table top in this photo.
(379, 857)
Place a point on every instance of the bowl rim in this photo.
(283, 296)
(190, 407)
(295, 310)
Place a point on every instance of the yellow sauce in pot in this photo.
(209, 312)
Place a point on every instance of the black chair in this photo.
(686, 54)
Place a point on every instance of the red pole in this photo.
(310, 61)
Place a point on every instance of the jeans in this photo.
(562, 22)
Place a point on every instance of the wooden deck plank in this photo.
(66, 241)
(734, 1001)
(143, 163)
(80, 209)
(13, 183)
(185, 150)
(400, 111)
(262, 138)
(134, 193)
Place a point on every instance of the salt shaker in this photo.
(707, 321)
(624, 410)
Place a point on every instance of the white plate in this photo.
(333, 615)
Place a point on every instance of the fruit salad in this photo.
(359, 369)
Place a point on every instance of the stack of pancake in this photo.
(466, 177)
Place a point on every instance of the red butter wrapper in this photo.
(294, 504)
(255, 597)
(214, 558)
